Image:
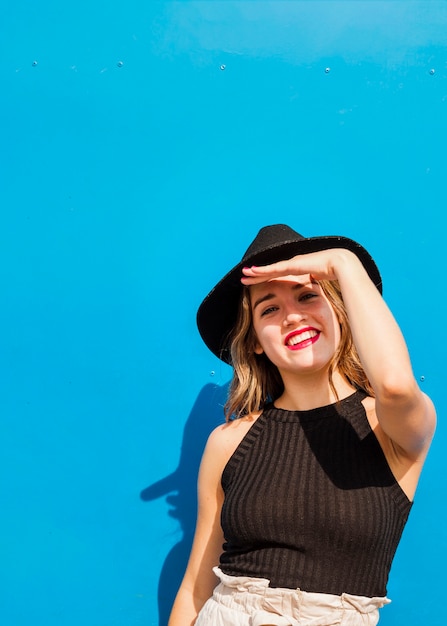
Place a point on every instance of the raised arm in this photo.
(405, 414)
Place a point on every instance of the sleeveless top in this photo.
(311, 502)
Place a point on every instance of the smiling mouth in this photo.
(302, 339)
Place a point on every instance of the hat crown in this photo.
(271, 237)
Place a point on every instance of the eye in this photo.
(308, 296)
(268, 310)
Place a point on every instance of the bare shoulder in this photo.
(370, 407)
(390, 450)
(406, 469)
(427, 413)
(224, 439)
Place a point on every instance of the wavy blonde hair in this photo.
(257, 381)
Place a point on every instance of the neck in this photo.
(309, 393)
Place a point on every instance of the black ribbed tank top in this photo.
(311, 502)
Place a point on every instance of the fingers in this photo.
(254, 271)
(253, 275)
(275, 269)
(319, 265)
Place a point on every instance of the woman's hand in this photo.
(323, 265)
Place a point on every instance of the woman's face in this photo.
(295, 324)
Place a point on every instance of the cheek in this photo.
(337, 331)
(254, 341)
(263, 338)
(333, 321)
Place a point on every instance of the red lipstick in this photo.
(302, 338)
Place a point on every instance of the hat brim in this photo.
(217, 314)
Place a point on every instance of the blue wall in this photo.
(143, 145)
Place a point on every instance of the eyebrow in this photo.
(270, 296)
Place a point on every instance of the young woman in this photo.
(305, 490)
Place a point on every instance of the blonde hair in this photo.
(257, 381)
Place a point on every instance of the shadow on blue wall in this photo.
(180, 487)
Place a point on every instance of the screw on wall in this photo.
(327, 70)
(422, 378)
(222, 67)
(212, 373)
(120, 63)
(34, 63)
(432, 71)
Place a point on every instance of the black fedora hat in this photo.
(217, 314)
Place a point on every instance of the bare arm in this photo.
(199, 580)
(405, 414)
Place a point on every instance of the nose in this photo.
(292, 317)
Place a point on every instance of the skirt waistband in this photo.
(292, 606)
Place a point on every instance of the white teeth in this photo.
(308, 334)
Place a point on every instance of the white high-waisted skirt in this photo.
(241, 601)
